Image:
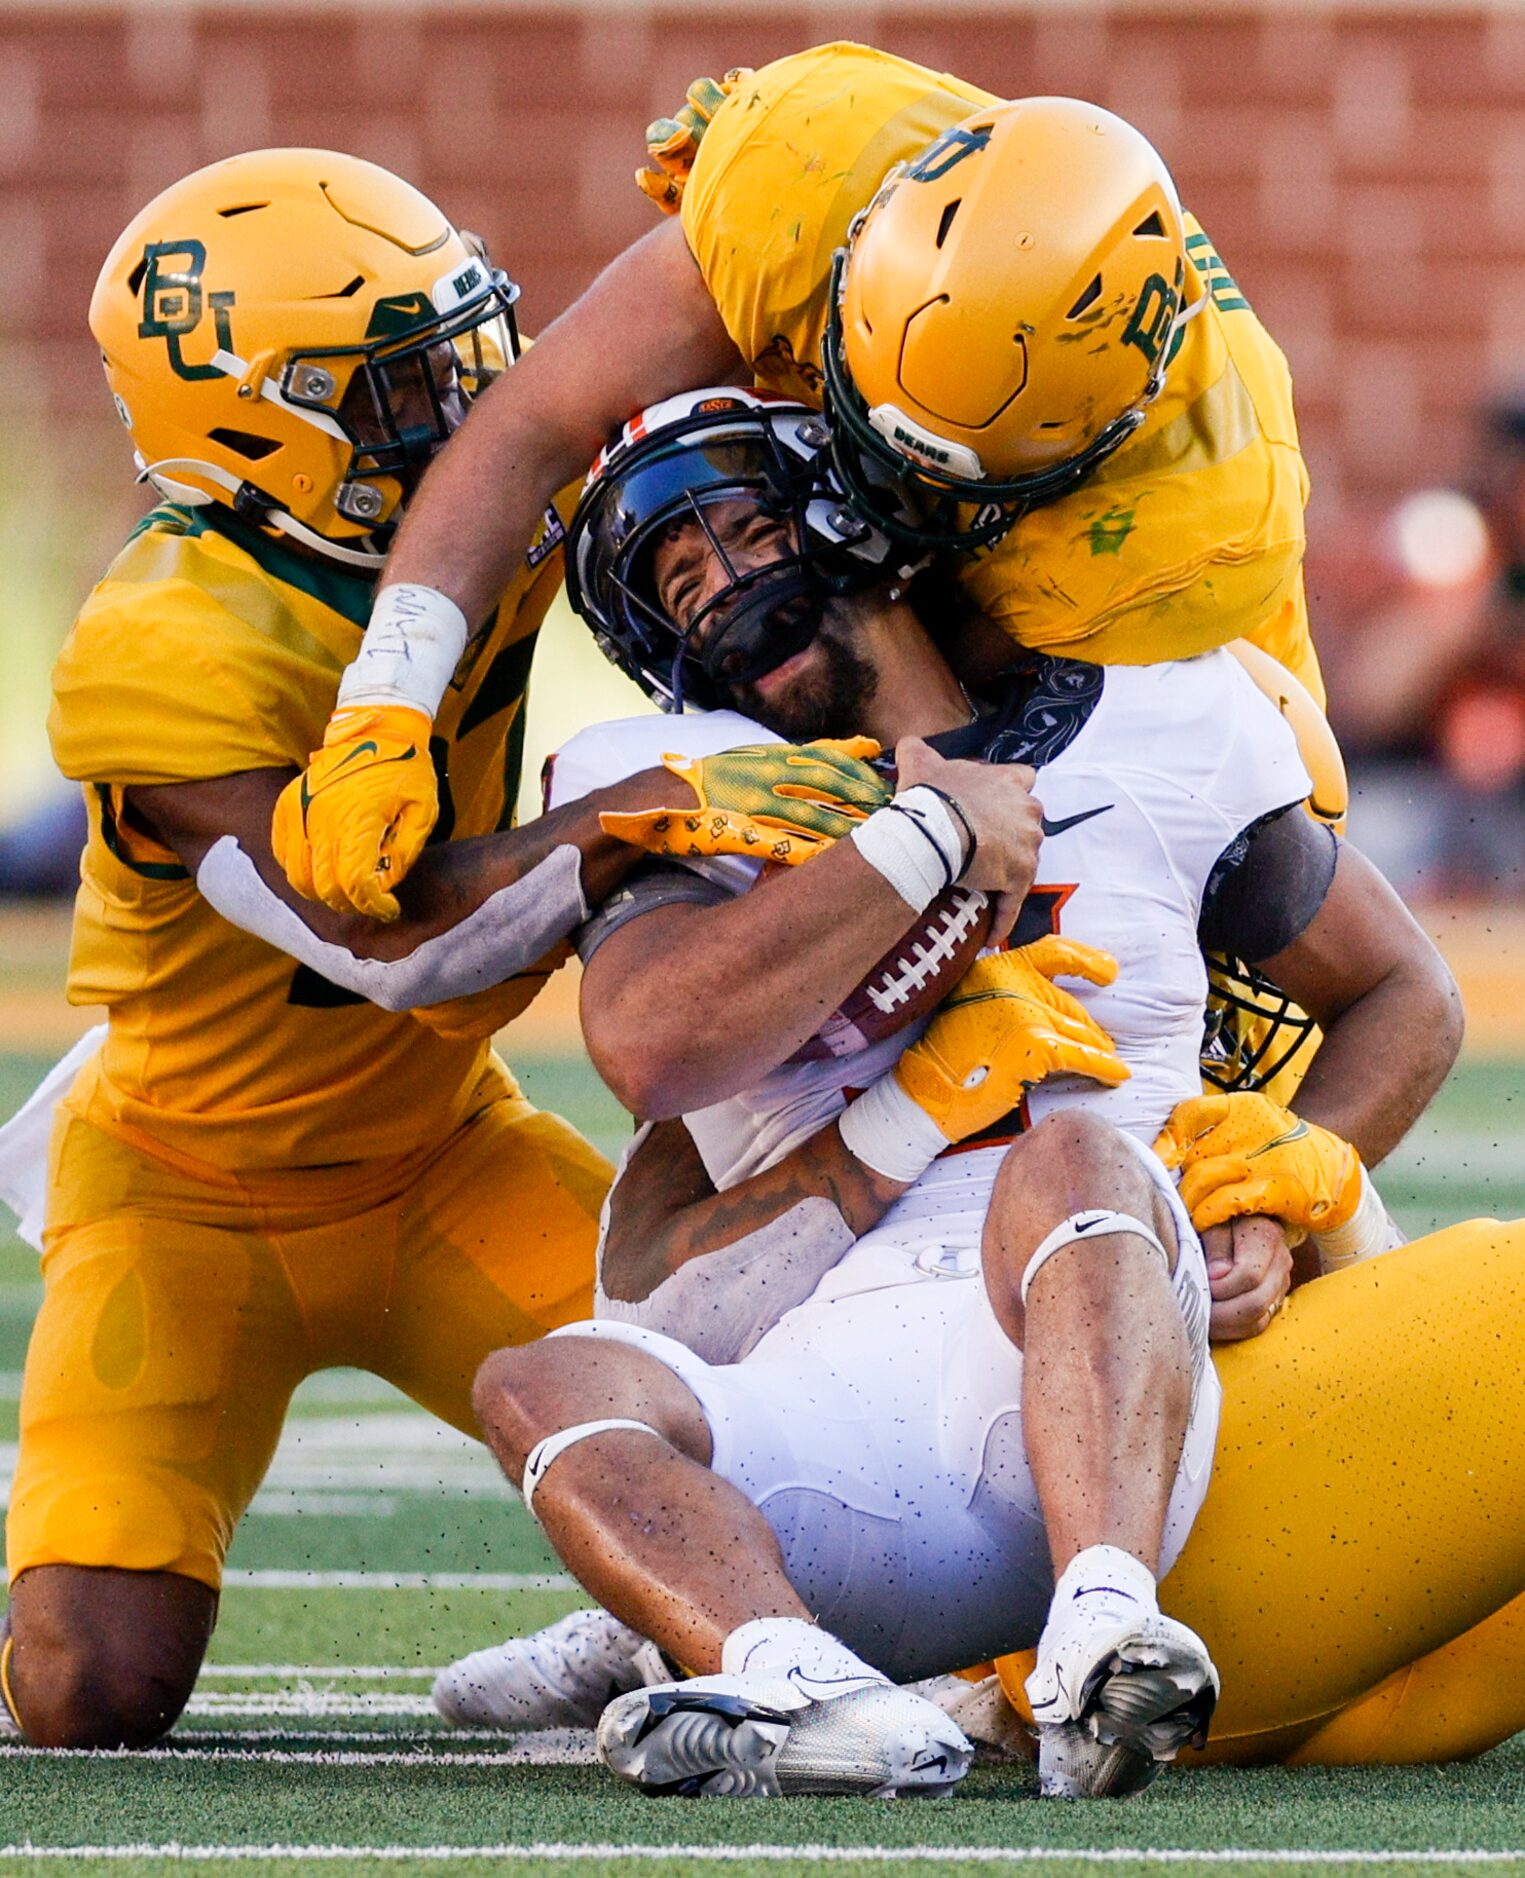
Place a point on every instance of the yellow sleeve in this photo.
(790, 158)
(168, 690)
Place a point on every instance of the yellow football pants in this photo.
(1358, 1566)
(177, 1319)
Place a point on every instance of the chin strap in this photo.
(263, 512)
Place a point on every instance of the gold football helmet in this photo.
(1004, 312)
(294, 333)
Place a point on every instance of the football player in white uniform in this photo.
(912, 1392)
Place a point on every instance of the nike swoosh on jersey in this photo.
(1074, 821)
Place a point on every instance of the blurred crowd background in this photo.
(1360, 167)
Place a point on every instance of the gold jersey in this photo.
(1191, 535)
(209, 649)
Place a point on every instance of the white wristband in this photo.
(915, 843)
(890, 1133)
(1367, 1232)
(411, 647)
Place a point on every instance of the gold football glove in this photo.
(673, 142)
(350, 826)
(1004, 1029)
(1244, 1153)
(772, 801)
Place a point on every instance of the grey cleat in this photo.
(1112, 1708)
(770, 1735)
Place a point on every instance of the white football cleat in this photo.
(1117, 1692)
(764, 1735)
(564, 1676)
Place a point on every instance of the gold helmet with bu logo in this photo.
(294, 333)
(1004, 312)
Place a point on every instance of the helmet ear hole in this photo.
(244, 443)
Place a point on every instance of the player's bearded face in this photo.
(816, 691)
(820, 692)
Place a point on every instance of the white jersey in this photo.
(1146, 775)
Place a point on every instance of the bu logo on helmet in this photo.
(1152, 318)
(172, 303)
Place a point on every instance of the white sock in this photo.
(777, 1644)
(1104, 1576)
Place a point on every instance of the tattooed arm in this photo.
(718, 1270)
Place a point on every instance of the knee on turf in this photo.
(71, 1693)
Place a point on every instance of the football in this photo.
(912, 978)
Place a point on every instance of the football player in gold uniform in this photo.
(296, 1147)
(1002, 304)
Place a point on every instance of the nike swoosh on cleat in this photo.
(804, 1682)
(1074, 821)
(1116, 1591)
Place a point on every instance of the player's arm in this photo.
(475, 912)
(645, 329)
(717, 1269)
(1325, 927)
(1386, 1002)
(690, 1004)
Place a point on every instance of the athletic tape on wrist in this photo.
(411, 647)
(915, 843)
(1095, 1224)
(1367, 1232)
(890, 1133)
(546, 1451)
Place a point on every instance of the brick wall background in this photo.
(1362, 170)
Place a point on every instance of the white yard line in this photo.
(306, 1672)
(392, 1581)
(773, 1854)
(551, 1747)
(309, 1704)
(399, 1581)
(343, 1737)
